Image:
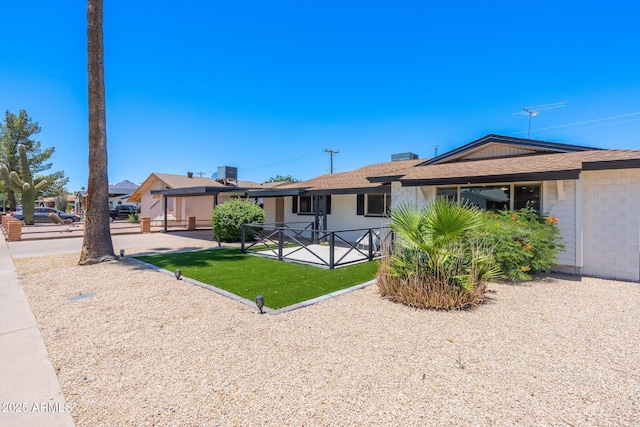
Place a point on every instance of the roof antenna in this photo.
(436, 151)
(534, 111)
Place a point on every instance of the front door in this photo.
(279, 211)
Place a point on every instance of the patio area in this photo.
(320, 248)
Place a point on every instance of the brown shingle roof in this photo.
(183, 181)
(177, 182)
(533, 167)
(354, 180)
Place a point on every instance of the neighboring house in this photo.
(594, 193)
(185, 196)
(337, 201)
(80, 202)
(120, 193)
(50, 202)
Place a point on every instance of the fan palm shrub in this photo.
(437, 261)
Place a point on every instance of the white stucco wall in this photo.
(563, 205)
(611, 223)
(342, 217)
(416, 195)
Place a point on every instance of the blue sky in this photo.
(265, 86)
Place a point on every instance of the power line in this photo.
(284, 162)
(585, 122)
(601, 125)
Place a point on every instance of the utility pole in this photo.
(331, 153)
(200, 173)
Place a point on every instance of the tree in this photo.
(58, 184)
(61, 200)
(283, 178)
(18, 130)
(97, 245)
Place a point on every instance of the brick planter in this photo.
(191, 223)
(14, 230)
(145, 224)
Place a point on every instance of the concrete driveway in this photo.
(148, 243)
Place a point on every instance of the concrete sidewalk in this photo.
(30, 394)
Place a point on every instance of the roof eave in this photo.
(489, 179)
(611, 164)
(256, 192)
(378, 189)
(198, 191)
(384, 179)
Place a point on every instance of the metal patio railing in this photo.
(306, 245)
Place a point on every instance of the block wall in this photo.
(611, 224)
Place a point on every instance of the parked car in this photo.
(41, 215)
(122, 211)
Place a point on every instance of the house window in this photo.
(487, 197)
(448, 193)
(305, 204)
(504, 196)
(526, 196)
(378, 204)
(373, 204)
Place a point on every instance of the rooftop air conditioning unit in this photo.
(226, 174)
(404, 156)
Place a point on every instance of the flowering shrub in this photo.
(524, 242)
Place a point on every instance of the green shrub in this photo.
(228, 218)
(524, 241)
(132, 218)
(438, 261)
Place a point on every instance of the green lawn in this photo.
(281, 283)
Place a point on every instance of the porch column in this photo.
(325, 207)
(316, 221)
(166, 215)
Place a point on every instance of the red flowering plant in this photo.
(524, 241)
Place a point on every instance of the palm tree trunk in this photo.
(97, 245)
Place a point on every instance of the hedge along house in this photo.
(594, 193)
(336, 201)
(169, 199)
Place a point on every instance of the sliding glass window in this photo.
(487, 197)
(494, 197)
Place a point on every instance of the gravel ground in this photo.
(148, 350)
